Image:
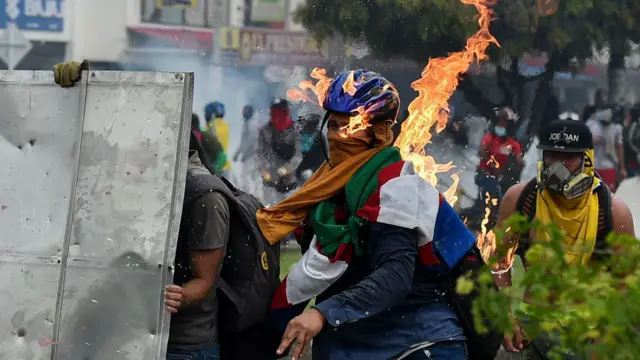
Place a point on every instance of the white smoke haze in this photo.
(235, 87)
(256, 86)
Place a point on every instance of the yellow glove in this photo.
(67, 73)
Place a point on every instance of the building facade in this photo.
(34, 33)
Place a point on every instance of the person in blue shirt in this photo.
(378, 240)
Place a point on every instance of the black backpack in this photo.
(526, 205)
(250, 273)
(480, 346)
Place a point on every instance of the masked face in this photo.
(342, 145)
(500, 131)
(565, 174)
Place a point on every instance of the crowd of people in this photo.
(381, 247)
(285, 152)
(616, 136)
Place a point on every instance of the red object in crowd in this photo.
(198, 134)
(609, 177)
(280, 119)
(500, 149)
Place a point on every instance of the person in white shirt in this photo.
(608, 147)
(247, 147)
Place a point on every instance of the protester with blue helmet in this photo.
(214, 110)
(376, 237)
(216, 125)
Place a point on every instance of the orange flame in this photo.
(319, 89)
(349, 85)
(494, 161)
(486, 239)
(438, 82)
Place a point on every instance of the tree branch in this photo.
(556, 61)
(505, 86)
(475, 97)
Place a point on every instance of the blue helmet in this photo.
(214, 110)
(373, 92)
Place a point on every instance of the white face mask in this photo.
(500, 131)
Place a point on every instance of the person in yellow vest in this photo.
(569, 193)
(214, 115)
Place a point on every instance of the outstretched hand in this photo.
(300, 331)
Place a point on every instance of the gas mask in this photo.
(559, 180)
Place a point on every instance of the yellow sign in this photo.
(264, 261)
(274, 44)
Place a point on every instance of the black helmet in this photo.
(279, 103)
(310, 122)
(618, 114)
(566, 136)
(195, 121)
(506, 113)
(247, 112)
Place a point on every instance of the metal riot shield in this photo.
(90, 200)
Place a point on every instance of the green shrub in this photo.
(591, 310)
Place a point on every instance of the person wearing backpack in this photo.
(379, 242)
(204, 229)
(219, 219)
(569, 193)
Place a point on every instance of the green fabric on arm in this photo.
(214, 150)
(221, 162)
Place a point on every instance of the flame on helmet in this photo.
(307, 87)
(316, 93)
(349, 85)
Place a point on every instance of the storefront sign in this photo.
(244, 46)
(268, 10)
(33, 15)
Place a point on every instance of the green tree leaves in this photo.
(587, 309)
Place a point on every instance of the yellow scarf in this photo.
(347, 155)
(578, 218)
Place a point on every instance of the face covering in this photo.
(500, 131)
(560, 181)
(341, 148)
(280, 119)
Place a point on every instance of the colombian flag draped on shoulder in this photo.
(385, 190)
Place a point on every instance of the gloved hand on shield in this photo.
(68, 73)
